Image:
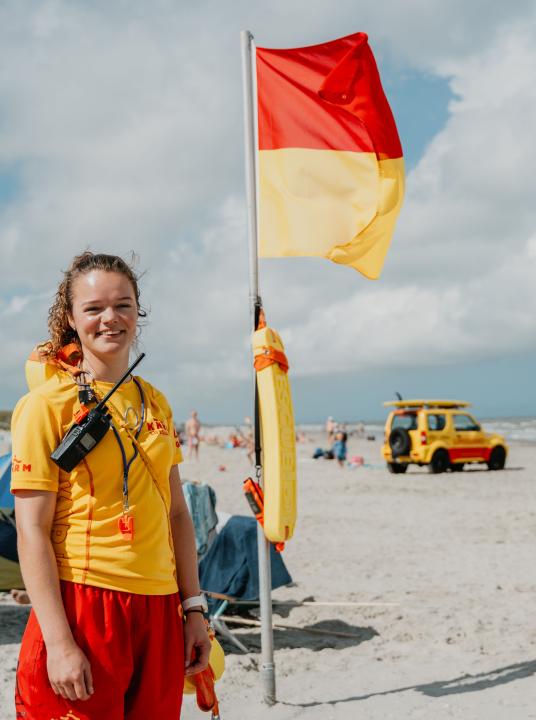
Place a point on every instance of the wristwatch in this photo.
(197, 601)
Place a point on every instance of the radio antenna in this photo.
(120, 382)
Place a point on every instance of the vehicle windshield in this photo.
(407, 421)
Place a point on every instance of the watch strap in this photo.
(195, 601)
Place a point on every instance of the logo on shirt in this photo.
(20, 466)
(157, 427)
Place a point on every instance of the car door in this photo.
(469, 440)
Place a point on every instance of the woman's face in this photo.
(104, 313)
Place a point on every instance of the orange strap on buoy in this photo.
(262, 320)
(268, 356)
(67, 358)
(255, 497)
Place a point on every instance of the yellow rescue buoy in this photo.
(278, 435)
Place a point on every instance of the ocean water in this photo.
(514, 429)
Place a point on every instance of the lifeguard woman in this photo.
(107, 551)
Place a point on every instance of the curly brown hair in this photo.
(60, 332)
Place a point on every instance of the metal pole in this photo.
(263, 546)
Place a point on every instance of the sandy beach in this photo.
(444, 567)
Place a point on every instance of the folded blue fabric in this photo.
(231, 565)
(6, 498)
(201, 501)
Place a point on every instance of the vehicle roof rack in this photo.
(427, 404)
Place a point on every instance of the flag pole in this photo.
(263, 545)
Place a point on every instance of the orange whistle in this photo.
(126, 526)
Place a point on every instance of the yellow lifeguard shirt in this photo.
(89, 547)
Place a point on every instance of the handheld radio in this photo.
(88, 430)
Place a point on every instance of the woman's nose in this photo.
(109, 315)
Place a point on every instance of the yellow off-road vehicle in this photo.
(440, 434)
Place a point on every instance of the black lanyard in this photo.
(126, 465)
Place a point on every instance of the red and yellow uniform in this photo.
(92, 554)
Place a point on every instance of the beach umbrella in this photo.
(6, 498)
(324, 177)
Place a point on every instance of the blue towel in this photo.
(201, 501)
(231, 564)
(6, 498)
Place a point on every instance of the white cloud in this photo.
(124, 129)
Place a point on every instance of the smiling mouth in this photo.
(110, 333)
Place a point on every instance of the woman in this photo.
(106, 549)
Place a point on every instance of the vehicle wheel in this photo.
(399, 442)
(397, 468)
(457, 467)
(497, 458)
(439, 463)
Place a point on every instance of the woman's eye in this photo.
(125, 305)
(92, 309)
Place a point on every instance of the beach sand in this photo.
(453, 553)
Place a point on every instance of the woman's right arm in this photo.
(68, 668)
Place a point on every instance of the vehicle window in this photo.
(408, 422)
(436, 422)
(465, 422)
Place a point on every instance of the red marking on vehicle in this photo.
(469, 452)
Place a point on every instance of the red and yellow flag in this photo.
(331, 171)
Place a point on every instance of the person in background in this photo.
(193, 429)
(331, 427)
(339, 447)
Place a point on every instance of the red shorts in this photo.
(134, 644)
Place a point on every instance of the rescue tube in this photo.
(216, 662)
(39, 368)
(278, 435)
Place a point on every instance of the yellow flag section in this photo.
(331, 170)
(278, 435)
(333, 204)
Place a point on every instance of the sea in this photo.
(513, 429)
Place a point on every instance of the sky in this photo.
(121, 130)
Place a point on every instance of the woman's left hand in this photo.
(196, 643)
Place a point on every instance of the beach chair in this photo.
(229, 571)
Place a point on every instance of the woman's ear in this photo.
(71, 322)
